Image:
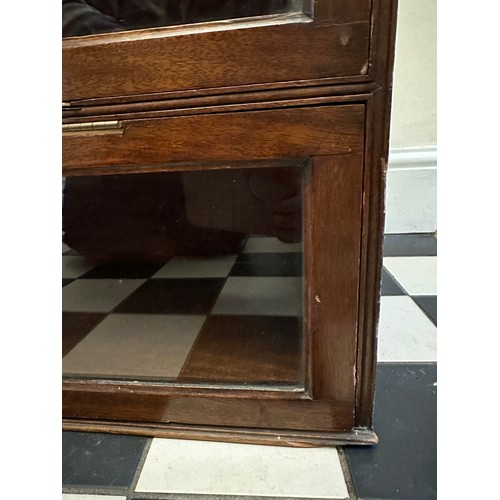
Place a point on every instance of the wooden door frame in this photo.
(331, 139)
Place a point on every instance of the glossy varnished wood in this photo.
(166, 59)
(376, 155)
(333, 207)
(230, 91)
(250, 350)
(259, 135)
(251, 411)
(333, 232)
(272, 437)
(173, 104)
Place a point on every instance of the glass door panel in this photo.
(186, 278)
(85, 17)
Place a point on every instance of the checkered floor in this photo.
(402, 465)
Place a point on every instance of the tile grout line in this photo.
(346, 471)
(210, 496)
(138, 469)
(94, 490)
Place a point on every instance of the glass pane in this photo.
(84, 17)
(185, 277)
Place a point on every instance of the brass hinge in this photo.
(91, 126)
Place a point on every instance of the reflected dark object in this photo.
(253, 201)
(151, 217)
(84, 17)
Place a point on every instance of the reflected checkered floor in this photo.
(231, 318)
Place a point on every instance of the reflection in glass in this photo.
(185, 277)
(84, 17)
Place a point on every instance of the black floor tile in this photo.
(97, 460)
(403, 464)
(66, 281)
(428, 304)
(389, 285)
(173, 296)
(406, 245)
(268, 264)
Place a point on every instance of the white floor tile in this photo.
(405, 332)
(193, 267)
(65, 248)
(96, 295)
(141, 345)
(209, 468)
(74, 266)
(417, 275)
(278, 296)
(267, 244)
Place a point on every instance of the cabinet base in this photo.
(241, 435)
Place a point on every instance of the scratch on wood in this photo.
(383, 162)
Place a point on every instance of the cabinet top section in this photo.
(218, 46)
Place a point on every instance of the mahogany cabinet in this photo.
(285, 104)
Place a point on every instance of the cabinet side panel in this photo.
(378, 111)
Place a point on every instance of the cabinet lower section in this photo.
(243, 435)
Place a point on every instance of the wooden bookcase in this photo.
(308, 89)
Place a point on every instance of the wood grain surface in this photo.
(332, 237)
(259, 135)
(116, 65)
(247, 412)
(273, 437)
